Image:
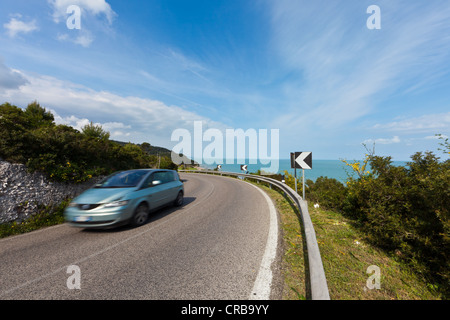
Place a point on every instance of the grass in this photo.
(46, 216)
(345, 256)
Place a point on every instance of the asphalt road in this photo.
(210, 248)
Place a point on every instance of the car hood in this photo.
(102, 195)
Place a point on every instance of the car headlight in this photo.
(114, 204)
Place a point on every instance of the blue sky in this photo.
(311, 69)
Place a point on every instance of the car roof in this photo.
(146, 169)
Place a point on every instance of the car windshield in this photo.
(125, 179)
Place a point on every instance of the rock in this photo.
(22, 192)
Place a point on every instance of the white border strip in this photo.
(263, 283)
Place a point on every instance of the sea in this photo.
(336, 169)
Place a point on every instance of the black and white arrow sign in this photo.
(219, 166)
(301, 160)
(243, 167)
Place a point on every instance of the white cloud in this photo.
(95, 7)
(346, 69)
(72, 120)
(129, 118)
(9, 78)
(187, 64)
(426, 123)
(16, 26)
(84, 39)
(114, 128)
(83, 36)
(392, 140)
(436, 137)
(62, 36)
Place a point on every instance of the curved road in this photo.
(210, 248)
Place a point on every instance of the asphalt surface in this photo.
(210, 248)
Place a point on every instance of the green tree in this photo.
(329, 192)
(14, 136)
(145, 146)
(63, 153)
(38, 116)
(95, 131)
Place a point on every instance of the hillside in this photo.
(63, 153)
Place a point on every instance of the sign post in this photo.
(295, 176)
(301, 160)
(303, 178)
(295, 169)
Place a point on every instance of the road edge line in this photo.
(263, 284)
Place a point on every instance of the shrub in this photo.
(405, 210)
(63, 153)
(95, 132)
(329, 192)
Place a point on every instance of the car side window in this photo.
(161, 176)
(170, 176)
(148, 182)
(164, 176)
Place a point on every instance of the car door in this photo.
(152, 193)
(163, 187)
(173, 185)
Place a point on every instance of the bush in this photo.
(95, 132)
(329, 192)
(405, 210)
(63, 153)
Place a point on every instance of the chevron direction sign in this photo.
(301, 160)
(243, 167)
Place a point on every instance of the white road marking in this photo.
(263, 283)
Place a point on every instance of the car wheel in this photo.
(179, 200)
(140, 216)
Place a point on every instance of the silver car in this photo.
(125, 197)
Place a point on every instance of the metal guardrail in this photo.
(318, 281)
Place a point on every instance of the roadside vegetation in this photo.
(64, 154)
(45, 217)
(396, 218)
(346, 255)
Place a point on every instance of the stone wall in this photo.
(22, 192)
